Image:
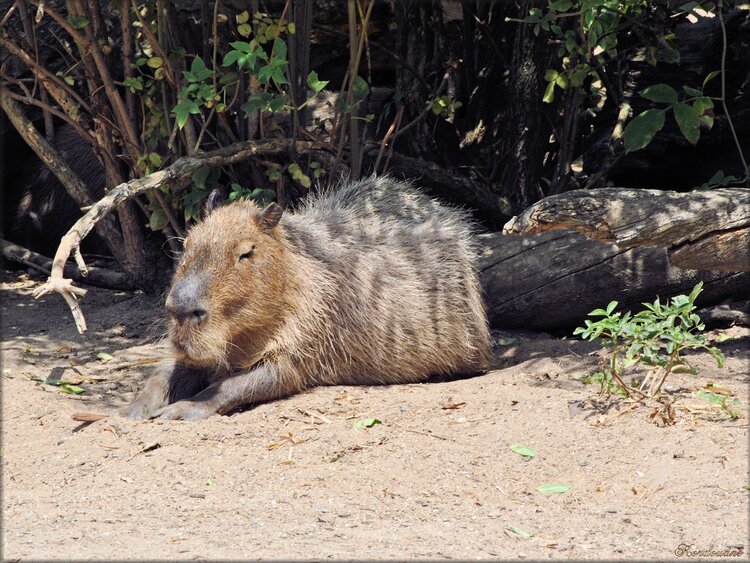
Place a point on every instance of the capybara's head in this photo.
(227, 295)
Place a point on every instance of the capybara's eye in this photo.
(247, 255)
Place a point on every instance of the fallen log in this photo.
(707, 230)
(552, 280)
(100, 277)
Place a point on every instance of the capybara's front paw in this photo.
(137, 410)
(185, 410)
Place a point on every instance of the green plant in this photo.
(589, 34)
(693, 111)
(591, 41)
(654, 337)
(722, 401)
(263, 196)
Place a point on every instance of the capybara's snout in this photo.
(186, 301)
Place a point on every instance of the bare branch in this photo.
(86, 44)
(182, 167)
(100, 277)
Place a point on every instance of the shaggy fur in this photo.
(372, 283)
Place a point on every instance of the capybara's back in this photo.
(396, 274)
(373, 282)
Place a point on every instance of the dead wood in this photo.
(182, 167)
(707, 230)
(552, 280)
(100, 277)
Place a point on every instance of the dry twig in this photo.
(182, 167)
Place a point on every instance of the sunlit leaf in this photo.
(642, 128)
(663, 93)
(553, 488)
(523, 450)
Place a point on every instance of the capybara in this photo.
(371, 283)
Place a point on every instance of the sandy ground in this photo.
(296, 479)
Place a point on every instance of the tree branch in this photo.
(100, 277)
(182, 167)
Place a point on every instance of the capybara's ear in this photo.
(270, 217)
(216, 198)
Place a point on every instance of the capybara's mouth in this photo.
(192, 346)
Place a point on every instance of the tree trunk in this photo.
(700, 230)
(552, 280)
(520, 124)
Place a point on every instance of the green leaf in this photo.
(553, 488)
(663, 93)
(104, 357)
(523, 450)
(718, 355)
(265, 74)
(71, 389)
(671, 56)
(259, 101)
(314, 84)
(155, 62)
(689, 121)
(158, 220)
(695, 292)
(242, 17)
(710, 76)
(642, 128)
(549, 93)
(551, 75)
(611, 307)
(183, 109)
(519, 532)
(241, 46)
(297, 174)
(231, 57)
(692, 91)
(276, 104)
(561, 5)
(577, 77)
(79, 22)
(279, 51)
(366, 423)
(702, 104)
(245, 29)
(360, 88)
(200, 176)
(197, 65)
(135, 84)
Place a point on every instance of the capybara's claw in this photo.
(134, 411)
(184, 410)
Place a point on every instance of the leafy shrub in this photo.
(654, 337)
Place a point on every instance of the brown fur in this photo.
(373, 283)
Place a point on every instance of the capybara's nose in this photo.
(184, 302)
